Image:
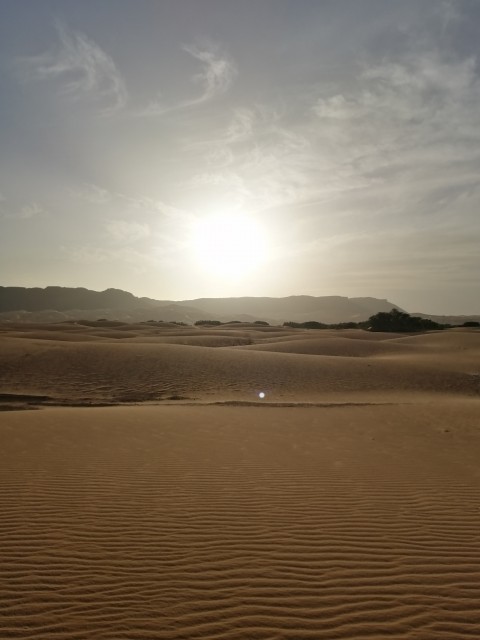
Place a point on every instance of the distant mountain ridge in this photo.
(57, 304)
(297, 308)
(63, 298)
(53, 304)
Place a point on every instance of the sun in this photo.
(230, 246)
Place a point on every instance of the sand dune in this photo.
(138, 372)
(157, 365)
(332, 346)
(344, 505)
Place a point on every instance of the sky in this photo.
(181, 149)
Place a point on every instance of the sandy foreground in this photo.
(344, 505)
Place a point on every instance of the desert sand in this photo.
(147, 491)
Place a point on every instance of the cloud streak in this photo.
(24, 212)
(410, 127)
(81, 69)
(216, 77)
(127, 232)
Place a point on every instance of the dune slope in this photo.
(90, 364)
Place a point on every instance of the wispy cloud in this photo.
(131, 207)
(24, 212)
(407, 133)
(92, 193)
(30, 211)
(123, 231)
(413, 125)
(81, 68)
(217, 74)
(449, 14)
(241, 126)
(157, 251)
(262, 161)
(152, 208)
(138, 261)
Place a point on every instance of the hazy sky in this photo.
(340, 137)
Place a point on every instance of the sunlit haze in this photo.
(191, 148)
(229, 246)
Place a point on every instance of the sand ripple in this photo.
(143, 523)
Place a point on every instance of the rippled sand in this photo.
(352, 513)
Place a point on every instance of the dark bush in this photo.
(398, 321)
(211, 323)
(346, 325)
(310, 324)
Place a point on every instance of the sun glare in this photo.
(230, 245)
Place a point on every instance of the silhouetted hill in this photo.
(54, 304)
(63, 298)
(327, 309)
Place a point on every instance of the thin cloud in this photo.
(92, 193)
(414, 129)
(215, 78)
(259, 160)
(449, 14)
(30, 211)
(81, 68)
(122, 231)
(138, 261)
(152, 208)
(130, 206)
(242, 126)
(25, 212)
(399, 146)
